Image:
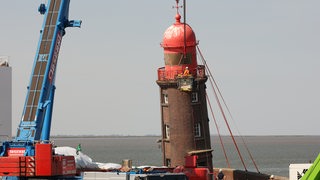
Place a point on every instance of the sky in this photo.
(264, 55)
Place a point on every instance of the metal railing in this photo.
(163, 75)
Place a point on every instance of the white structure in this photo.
(296, 171)
(5, 99)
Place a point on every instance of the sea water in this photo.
(270, 154)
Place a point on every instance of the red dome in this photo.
(174, 35)
(179, 45)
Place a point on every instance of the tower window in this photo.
(194, 97)
(197, 130)
(165, 98)
(168, 162)
(167, 132)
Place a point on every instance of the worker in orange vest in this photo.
(186, 72)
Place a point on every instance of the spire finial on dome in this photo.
(178, 16)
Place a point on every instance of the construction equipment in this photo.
(313, 173)
(30, 154)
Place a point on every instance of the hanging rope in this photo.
(251, 157)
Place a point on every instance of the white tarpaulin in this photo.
(83, 161)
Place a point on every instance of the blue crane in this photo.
(33, 133)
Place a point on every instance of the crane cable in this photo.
(184, 54)
(214, 84)
(228, 126)
(245, 144)
(218, 131)
(184, 29)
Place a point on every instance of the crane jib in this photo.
(55, 58)
(39, 102)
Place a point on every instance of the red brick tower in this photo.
(184, 116)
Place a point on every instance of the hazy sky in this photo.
(264, 54)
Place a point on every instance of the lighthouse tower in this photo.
(184, 116)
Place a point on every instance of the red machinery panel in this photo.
(191, 161)
(17, 166)
(44, 163)
(69, 165)
(197, 173)
(43, 159)
(64, 165)
(9, 166)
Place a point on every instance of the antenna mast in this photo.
(184, 28)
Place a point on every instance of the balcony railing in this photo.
(163, 75)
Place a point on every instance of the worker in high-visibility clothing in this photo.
(186, 72)
(78, 149)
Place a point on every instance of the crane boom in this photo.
(36, 115)
(30, 154)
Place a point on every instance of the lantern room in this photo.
(179, 44)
